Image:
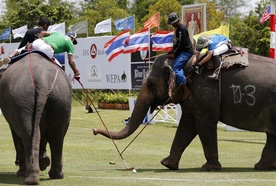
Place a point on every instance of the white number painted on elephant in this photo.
(249, 94)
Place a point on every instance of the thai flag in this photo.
(137, 41)
(115, 46)
(162, 40)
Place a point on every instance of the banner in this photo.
(115, 46)
(137, 41)
(19, 32)
(103, 27)
(6, 34)
(125, 23)
(57, 28)
(162, 40)
(152, 22)
(223, 29)
(79, 27)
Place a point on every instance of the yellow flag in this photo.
(223, 29)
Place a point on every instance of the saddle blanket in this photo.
(237, 58)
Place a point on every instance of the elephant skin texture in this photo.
(35, 98)
(244, 98)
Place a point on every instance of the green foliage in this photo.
(245, 30)
(24, 12)
(164, 7)
(120, 97)
(248, 32)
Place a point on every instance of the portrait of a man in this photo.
(194, 18)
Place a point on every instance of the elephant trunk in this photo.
(140, 110)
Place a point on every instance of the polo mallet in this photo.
(77, 99)
(114, 161)
(120, 154)
(148, 58)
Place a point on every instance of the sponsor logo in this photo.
(93, 51)
(142, 73)
(116, 78)
(94, 75)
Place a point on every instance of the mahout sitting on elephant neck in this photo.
(227, 101)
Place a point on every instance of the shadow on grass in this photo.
(10, 178)
(243, 141)
(194, 170)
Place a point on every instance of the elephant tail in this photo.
(40, 99)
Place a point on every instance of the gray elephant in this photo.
(35, 98)
(244, 98)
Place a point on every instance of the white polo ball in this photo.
(134, 171)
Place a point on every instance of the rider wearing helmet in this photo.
(182, 51)
(216, 44)
(52, 43)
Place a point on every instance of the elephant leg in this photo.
(32, 158)
(185, 133)
(20, 158)
(268, 159)
(44, 160)
(208, 136)
(56, 146)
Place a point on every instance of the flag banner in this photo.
(223, 29)
(137, 41)
(57, 28)
(5, 34)
(19, 32)
(79, 27)
(103, 27)
(125, 23)
(265, 15)
(115, 46)
(162, 40)
(152, 22)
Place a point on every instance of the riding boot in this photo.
(216, 73)
(186, 92)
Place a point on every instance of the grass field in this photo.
(86, 157)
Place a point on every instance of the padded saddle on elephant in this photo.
(20, 56)
(234, 58)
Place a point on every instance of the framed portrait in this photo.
(194, 18)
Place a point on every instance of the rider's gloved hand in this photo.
(77, 75)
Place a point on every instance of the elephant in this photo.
(243, 98)
(35, 99)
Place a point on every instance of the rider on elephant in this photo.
(182, 51)
(51, 43)
(216, 45)
(29, 37)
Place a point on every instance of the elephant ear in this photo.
(171, 80)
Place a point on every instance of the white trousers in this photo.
(220, 49)
(41, 45)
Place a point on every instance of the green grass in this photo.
(86, 157)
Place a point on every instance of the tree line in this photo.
(245, 30)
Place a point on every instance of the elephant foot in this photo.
(21, 172)
(210, 167)
(169, 163)
(265, 166)
(44, 162)
(32, 179)
(56, 175)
